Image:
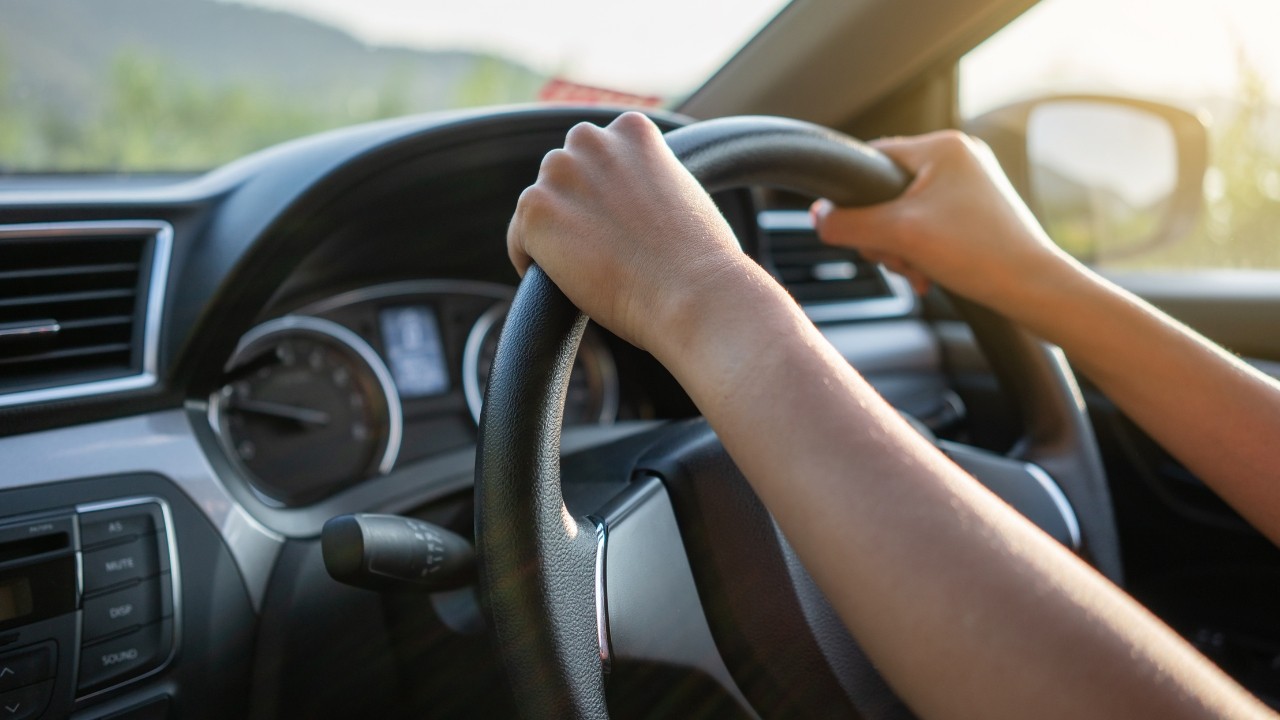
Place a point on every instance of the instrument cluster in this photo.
(352, 386)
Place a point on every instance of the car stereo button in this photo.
(113, 530)
(27, 702)
(111, 613)
(26, 667)
(122, 657)
(120, 563)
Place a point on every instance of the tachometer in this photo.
(593, 386)
(308, 408)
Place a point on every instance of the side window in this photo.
(1216, 58)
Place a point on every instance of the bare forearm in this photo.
(962, 225)
(927, 568)
(1216, 414)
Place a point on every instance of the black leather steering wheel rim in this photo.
(535, 558)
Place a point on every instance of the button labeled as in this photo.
(120, 563)
(120, 528)
(121, 610)
(26, 667)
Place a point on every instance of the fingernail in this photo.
(820, 209)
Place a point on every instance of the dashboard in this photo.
(230, 360)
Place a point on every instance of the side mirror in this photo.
(1108, 177)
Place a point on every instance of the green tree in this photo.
(1240, 225)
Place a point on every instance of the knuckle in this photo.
(584, 134)
(952, 142)
(634, 124)
(556, 165)
(534, 201)
(957, 146)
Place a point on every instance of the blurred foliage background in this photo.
(187, 85)
(1239, 226)
(153, 118)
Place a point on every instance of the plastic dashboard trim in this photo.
(161, 443)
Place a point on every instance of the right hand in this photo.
(626, 232)
(959, 224)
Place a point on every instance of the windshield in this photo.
(184, 85)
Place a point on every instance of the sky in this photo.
(630, 46)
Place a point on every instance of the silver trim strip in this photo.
(156, 287)
(175, 578)
(345, 336)
(1060, 501)
(784, 220)
(471, 357)
(602, 598)
(41, 327)
(162, 443)
(902, 300)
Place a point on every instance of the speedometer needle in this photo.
(302, 415)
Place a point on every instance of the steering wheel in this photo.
(662, 540)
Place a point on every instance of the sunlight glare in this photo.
(1188, 52)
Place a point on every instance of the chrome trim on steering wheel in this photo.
(1060, 501)
(602, 600)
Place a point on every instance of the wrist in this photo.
(1050, 291)
(711, 328)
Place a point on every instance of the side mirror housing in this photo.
(1108, 177)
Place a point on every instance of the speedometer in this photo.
(593, 386)
(307, 408)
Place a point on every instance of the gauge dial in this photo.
(593, 387)
(307, 408)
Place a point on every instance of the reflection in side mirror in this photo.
(1107, 177)
(1102, 176)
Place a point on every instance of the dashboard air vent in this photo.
(78, 315)
(812, 271)
(833, 284)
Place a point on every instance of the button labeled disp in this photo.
(135, 605)
(120, 563)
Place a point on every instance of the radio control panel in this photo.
(87, 603)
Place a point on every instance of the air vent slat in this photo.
(90, 280)
(113, 348)
(96, 322)
(53, 272)
(45, 301)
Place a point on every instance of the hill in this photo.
(85, 68)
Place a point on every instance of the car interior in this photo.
(284, 438)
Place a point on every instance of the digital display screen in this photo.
(415, 355)
(15, 598)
